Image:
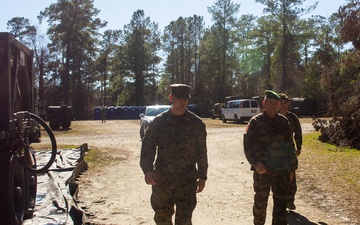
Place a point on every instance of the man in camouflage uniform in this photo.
(269, 149)
(103, 114)
(297, 133)
(177, 138)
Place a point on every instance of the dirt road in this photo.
(115, 193)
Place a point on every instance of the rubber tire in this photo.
(236, 120)
(66, 124)
(142, 133)
(223, 118)
(30, 188)
(241, 121)
(54, 124)
(12, 188)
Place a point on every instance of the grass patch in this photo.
(100, 157)
(95, 158)
(333, 168)
(67, 146)
(338, 163)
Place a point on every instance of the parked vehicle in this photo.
(240, 110)
(216, 110)
(59, 116)
(150, 113)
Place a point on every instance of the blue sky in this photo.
(119, 12)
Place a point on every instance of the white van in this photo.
(240, 110)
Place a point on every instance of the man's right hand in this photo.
(260, 168)
(150, 178)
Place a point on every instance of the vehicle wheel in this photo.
(12, 196)
(54, 124)
(223, 118)
(66, 124)
(142, 133)
(241, 120)
(236, 120)
(30, 188)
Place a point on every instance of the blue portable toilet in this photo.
(118, 110)
(133, 112)
(111, 113)
(97, 113)
(125, 112)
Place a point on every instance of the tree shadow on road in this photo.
(294, 218)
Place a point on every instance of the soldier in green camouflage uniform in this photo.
(103, 114)
(269, 149)
(297, 133)
(176, 142)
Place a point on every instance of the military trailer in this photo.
(303, 106)
(59, 116)
(19, 129)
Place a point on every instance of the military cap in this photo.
(180, 90)
(283, 96)
(271, 94)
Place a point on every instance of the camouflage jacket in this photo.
(269, 140)
(295, 128)
(179, 144)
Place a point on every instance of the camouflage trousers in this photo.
(292, 187)
(167, 195)
(278, 183)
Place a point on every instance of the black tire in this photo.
(142, 133)
(236, 120)
(54, 124)
(241, 120)
(223, 118)
(30, 188)
(12, 188)
(66, 124)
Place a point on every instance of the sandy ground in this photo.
(116, 193)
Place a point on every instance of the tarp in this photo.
(56, 198)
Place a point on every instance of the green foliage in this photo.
(138, 55)
(284, 66)
(73, 29)
(236, 55)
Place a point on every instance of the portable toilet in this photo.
(111, 113)
(97, 113)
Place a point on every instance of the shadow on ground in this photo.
(294, 218)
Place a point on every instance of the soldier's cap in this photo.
(180, 90)
(283, 96)
(271, 94)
